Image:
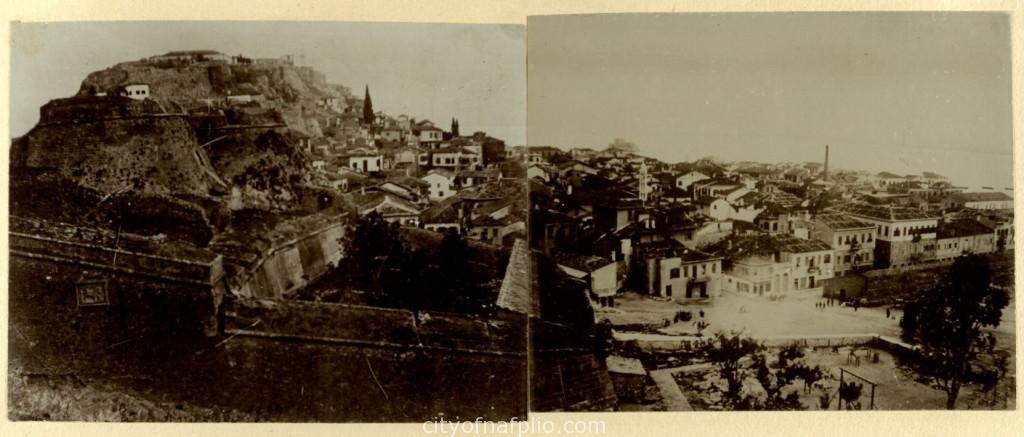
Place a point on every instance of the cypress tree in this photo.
(367, 107)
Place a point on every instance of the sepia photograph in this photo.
(771, 211)
(519, 217)
(267, 221)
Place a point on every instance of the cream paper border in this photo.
(924, 423)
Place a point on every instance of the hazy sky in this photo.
(902, 92)
(475, 73)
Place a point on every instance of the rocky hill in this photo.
(276, 82)
(186, 151)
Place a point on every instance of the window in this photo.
(828, 258)
(674, 273)
(668, 290)
(798, 261)
(714, 267)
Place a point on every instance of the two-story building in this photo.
(441, 184)
(853, 241)
(774, 264)
(455, 157)
(669, 269)
(982, 200)
(427, 135)
(960, 237)
(903, 236)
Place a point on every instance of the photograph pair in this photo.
(230, 221)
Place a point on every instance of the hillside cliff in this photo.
(185, 152)
(282, 83)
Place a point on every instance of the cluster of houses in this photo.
(399, 144)
(410, 171)
(619, 221)
(416, 174)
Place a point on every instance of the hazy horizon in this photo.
(473, 72)
(897, 92)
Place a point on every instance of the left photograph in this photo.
(267, 221)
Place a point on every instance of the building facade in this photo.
(853, 241)
(904, 236)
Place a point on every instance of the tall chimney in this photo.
(826, 162)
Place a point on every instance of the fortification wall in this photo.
(293, 264)
(375, 326)
(82, 308)
(279, 360)
(148, 154)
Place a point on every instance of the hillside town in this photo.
(315, 259)
(668, 254)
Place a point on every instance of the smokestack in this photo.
(826, 162)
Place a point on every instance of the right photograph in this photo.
(771, 211)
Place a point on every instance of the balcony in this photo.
(813, 270)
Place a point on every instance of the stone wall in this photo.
(278, 360)
(375, 326)
(565, 372)
(293, 264)
(149, 154)
(83, 308)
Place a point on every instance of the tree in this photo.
(371, 243)
(725, 351)
(775, 383)
(453, 269)
(455, 128)
(368, 115)
(947, 323)
(741, 360)
(404, 284)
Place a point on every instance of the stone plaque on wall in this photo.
(92, 293)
